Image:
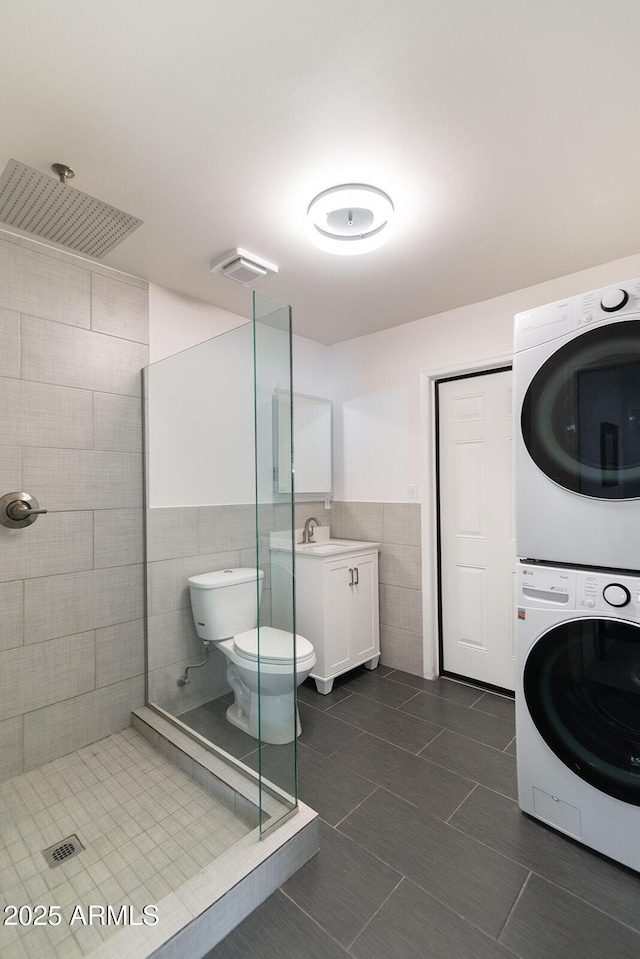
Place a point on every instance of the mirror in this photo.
(311, 444)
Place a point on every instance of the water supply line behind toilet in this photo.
(184, 679)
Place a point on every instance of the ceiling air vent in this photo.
(243, 267)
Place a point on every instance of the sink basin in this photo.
(332, 546)
(322, 547)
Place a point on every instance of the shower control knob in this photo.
(614, 300)
(18, 510)
(616, 595)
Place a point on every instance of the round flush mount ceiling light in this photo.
(350, 219)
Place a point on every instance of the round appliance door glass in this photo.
(581, 414)
(582, 689)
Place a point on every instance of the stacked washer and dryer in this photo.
(577, 477)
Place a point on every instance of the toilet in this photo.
(224, 604)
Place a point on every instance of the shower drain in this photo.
(63, 850)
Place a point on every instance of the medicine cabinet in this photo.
(312, 455)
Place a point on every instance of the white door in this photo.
(477, 543)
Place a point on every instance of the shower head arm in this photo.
(63, 172)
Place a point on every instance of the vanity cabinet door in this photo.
(351, 611)
(337, 603)
(336, 608)
(364, 616)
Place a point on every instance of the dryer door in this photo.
(581, 414)
(582, 689)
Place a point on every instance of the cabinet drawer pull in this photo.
(350, 577)
(357, 580)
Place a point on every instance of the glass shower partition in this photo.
(275, 527)
(211, 506)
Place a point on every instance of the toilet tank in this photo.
(224, 602)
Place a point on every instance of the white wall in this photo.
(177, 322)
(375, 380)
(200, 424)
(191, 389)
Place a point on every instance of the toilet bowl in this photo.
(260, 661)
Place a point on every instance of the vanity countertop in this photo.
(334, 546)
(322, 545)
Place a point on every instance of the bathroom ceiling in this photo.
(505, 131)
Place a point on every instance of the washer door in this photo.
(581, 414)
(582, 689)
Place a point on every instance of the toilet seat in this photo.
(271, 645)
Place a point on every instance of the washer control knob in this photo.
(590, 603)
(616, 595)
(614, 300)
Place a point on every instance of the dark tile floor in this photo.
(424, 853)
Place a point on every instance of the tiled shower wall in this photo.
(186, 541)
(396, 526)
(73, 338)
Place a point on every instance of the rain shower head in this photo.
(53, 210)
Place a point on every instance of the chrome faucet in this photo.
(307, 535)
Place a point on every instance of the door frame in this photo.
(429, 483)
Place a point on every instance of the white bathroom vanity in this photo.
(336, 602)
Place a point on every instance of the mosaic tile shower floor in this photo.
(147, 828)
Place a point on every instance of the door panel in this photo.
(469, 471)
(470, 612)
(477, 544)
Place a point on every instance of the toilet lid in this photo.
(275, 645)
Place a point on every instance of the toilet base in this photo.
(272, 726)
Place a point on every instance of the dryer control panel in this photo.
(576, 589)
(605, 305)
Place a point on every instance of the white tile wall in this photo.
(83, 479)
(401, 607)
(73, 338)
(76, 602)
(119, 537)
(9, 343)
(12, 552)
(37, 414)
(11, 614)
(402, 649)
(118, 422)
(44, 673)
(11, 468)
(55, 353)
(119, 309)
(61, 543)
(168, 579)
(172, 639)
(401, 566)
(119, 652)
(59, 729)
(39, 285)
(223, 528)
(11, 736)
(172, 533)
